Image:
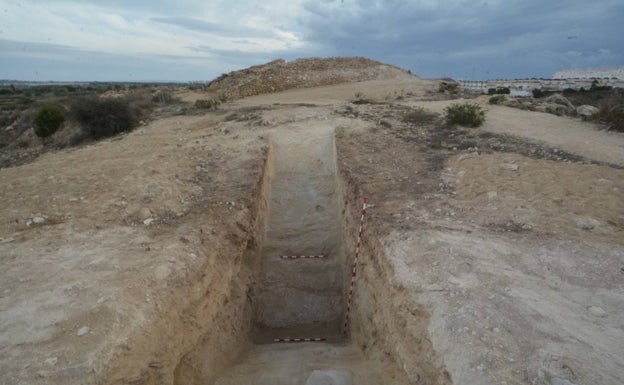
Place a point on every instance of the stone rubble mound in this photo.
(280, 75)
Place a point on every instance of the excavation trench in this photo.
(305, 209)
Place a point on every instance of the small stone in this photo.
(509, 167)
(597, 311)
(51, 361)
(587, 224)
(144, 213)
(148, 221)
(38, 220)
(82, 331)
(492, 195)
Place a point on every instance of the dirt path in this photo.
(568, 134)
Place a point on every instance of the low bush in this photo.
(467, 114)
(612, 116)
(596, 86)
(100, 118)
(538, 93)
(499, 91)
(207, 104)
(360, 98)
(496, 99)
(48, 120)
(419, 115)
(163, 97)
(452, 88)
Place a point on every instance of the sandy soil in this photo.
(488, 258)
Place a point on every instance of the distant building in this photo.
(591, 73)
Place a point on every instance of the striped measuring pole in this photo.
(345, 329)
(318, 339)
(321, 256)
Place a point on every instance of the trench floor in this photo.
(304, 363)
(302, 298)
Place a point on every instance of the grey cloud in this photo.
(214, 28)
(485, 39)
(37, 61)
(503, 36)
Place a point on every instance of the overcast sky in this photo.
(149, 40)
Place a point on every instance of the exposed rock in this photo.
(38, 220)
(597, 311)
(148, 221)
(557, 109)
(561, 100)
(82, 331)
(539, 108)
(586, 110)
(587, 223)
(51, 361)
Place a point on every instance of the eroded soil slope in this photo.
(108, 252)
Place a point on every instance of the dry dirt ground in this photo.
(490, 256)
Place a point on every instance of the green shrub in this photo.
(207, 104)
(499, 91)
(537, 93)
(452, 88)
(612, 116)
(101, 118)
(360, 98)
(496, 99)
(467, 114)
(595, 86)
(419, 115)
(48, 120)
(163, 97)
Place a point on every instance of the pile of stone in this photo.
(280, 75)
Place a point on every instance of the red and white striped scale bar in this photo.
(321, 256)
(318, 339)
(345, 329)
